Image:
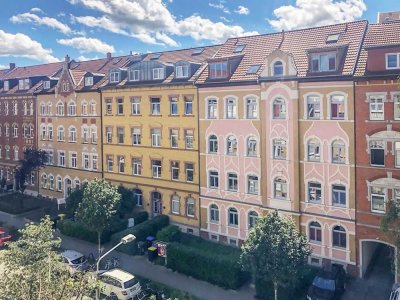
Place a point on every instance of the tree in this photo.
(127, 204)
(33, 268)
(275, 252)
(390, 223)
(98, 206)
(73, 200)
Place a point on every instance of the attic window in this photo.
(181, 71)
(6, 85)
(89, 81)
(239, 48)
(23, 84)
(323, 62)
(197, 51)
(114, 76)
(155, 56)
(46, 84)
(333, 38)
(218, 70)
(253, 69)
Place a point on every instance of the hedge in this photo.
(77, 230)
(141, 231)
(171, 233)
(213, 267)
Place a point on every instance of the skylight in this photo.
(253, 69)
(197, 51)
(239, 48)
(333, 38)
(155, 56)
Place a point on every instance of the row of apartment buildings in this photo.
(304, 121)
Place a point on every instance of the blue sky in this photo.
(40, 31)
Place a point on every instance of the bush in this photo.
(171, 233)
(127, 204)
(77, 230)
(73, 201)
(141, 231)
(139, 216)
(208, 265)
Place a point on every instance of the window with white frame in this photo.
(174, 170)
(173, 106)
(60, 133)
(121, 163)
(393, 61)
(85, 134)
(213, 144)
(218, 70)
(43, 109)
(280, 188)
(158, 73)
(252, 146)
(212, 108)
(313, 150)
(233, 217)
(109, 107)
(251, 108)
(23, 84)
(60, 109)
(136, 166)
(338, 195)
(110, 163)
(44, 181)
(189, 135)
(252, 184)
(134, 75)
(313, 107)
(252, 218)
(138, 197)
(376, 107)
(175, 204)
(338, 152)
(339, 238)
(181, 71)
(214, 213)
(84, 107)
(120, 135)
(188, 106)
(59, 183)
(92, 108)
(31, 108)
(85, 161)
(323, 62)
(109, 131)
(279, 109)
(71, 108)
(95, 164)
(61, 158)
(93, 134)
(231, 145)
(231, 111)
(65, 86)
(156, 168)
(155, 106)
(378, 199)
(213, 179)
(7, 152)
(314, 232)
(25, 108)
(50, 132)
(279, 148)
(135, 106)
(278, 68)
(396, 102)
(46, 84)
(156, 137)
(31, 132)
(136, 134)
(15, 130)
(6, 86)
(49, 109)
(173, 136)
(89, 81)
(16, 153)
(397, 154)
(314, 191)
(43, 131)
(189, 171)
(114, 76)
(15, 108)
(337, 107)
(232, 182)
(190, 207)
(72, 134)
(73, 160)
(120, 106)
(377, 153)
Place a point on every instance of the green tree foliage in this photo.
(275, 252)
(98, 206)
(31, 268)
(390, 223)
(127, 204)
(73, 200)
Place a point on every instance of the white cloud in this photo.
(82, 58)
(37, 9)
(242, 10)
(309, 13)
(3, 67)
(45, 21)
(220, 6)
(152, 22)
(21, 45)
(87, 44)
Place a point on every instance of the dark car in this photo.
(328, 285)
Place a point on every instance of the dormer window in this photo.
(6, 85)
(278, 68)
(46, 84)
(239, 48)
(332, 38)
(23, 84)
(253, 69)
(114, 76)
(393, 61)
(197, 51)
(158, 73)
(155, 56)
(181, 71)
(323, 62)
(89, 81)
(218, 70)
(134, 75)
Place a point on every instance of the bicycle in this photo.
(111, 263)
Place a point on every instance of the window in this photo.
(24, 131)
(378, 198)
(60, 109)
(189, 138)
(84, 108)
(155, 106)
(231, 108)
(332, 38)
(212, 108)
(239, 48)
(89, 81)
(65, 86)
(108, 107)
(108, 135)
(377, 153)
(393, 61)
(251, 146)
(31, 132)
(233, 217)
(44, 181)
(337, 107)
(23, 84)
(15, 130)
(73, 160)
(134, 75)
(173, 136)
(16, 153)
(173, 104)
(156, 168)
(278, 68)
(120, 135)
(72, 134)
(135, 106)
(174, 170)
(323, 62)
(71, 108)
(338, 152)
(188, 106)
(25, 108)
(155, 56)
(338, 195)
(43, 110)
(252, 184)
(59, 183)
(6, 85)
(253, 69)
(49, 131)
(121, 164)
(43, 131)
(85, 161)
(181, 71)
(114, 76)
(158, 73)
(93, 134)
(232, 182)
(175, 205)
(189, 171)
(397, 153)
(136, 166)
(136, 134)
(46, 84)
(7, 154)
(94, 162)
(7, 130)
(231, 145)
(313, 150)
(314, 192)
(280, 188)
(197, 51)
(138, 197)
(190, 207)
(156, 137)
(218, 70)
(396, 100)
(279, 109)
(61, 158)
(376, 108)
(213, 144)
(313, 107)
(339, 237)
(15, 108)
(31, 108)
(279, 149)
(85, 134)
(213, 181)
(251, 108)
(120, 107)
(92, 108)
(315, 232)
(252, 218)
(110, 163)
(214, 213)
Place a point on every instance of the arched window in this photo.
(71, 108)
(43, 109)
(233, 217)
(72, 134)
(49, 109)
(84, 108)
(279, 109)
(252, 217)
(15, 130)
(93, 134)
(231, 145)
(50, 132)
(68, 186)
(251, 146)
(338, 152)
(190, 207)
(6, 129)
(16, 153)
(60, 108)
(31, 132)
(313, 150)
(85, 134)
(44, 181)
(92, 108)
(339, 237)
(278, 68)
(214, 213)
(213, 144)
(59, 183)
(175, 204)
(60, 133)
(51, 182)
(138, 197)
(280, 188)
(77, 184)
(31, 108)
(157, 203)
(314, 232)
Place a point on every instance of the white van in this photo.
(119, 284)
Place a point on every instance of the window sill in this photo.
(188, 115)
(151, 115)
(173, 115)
(380, 212)
(135, 115)
(317, 243)
(233, 226)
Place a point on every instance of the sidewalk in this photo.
(140, 266)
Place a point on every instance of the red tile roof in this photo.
(37, 70)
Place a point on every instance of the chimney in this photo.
(12, 66)
(108, 55)
(67, 59)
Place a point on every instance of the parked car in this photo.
(118, 284)
(5, 236)
(395, 294)
(328, 284)
(75, 261)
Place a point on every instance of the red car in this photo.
(5, 236)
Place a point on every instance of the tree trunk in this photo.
(276, 290)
